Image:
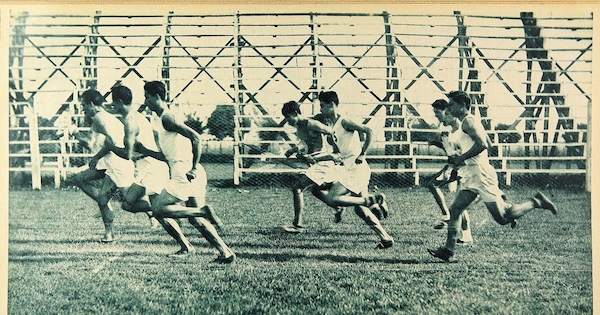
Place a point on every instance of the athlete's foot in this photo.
(212, 217)
(466, 238)
(465, 241)
(513, 224)
(376, 210)
(183, 253)
(293, 229)
(378, 205)
(108, 238)
(442, 253)
(380, 199)
(338, 214)
(385, 244)
(440, 224)
(541, 201)
(154, 223)
(225, 259)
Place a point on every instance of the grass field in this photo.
(58, 266)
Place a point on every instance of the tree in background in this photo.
(221, 122)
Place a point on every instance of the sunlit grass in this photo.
(58, 266)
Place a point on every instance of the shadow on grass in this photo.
(308, 232)
(38, 259)
(285, 257)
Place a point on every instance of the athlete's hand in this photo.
(191, 175)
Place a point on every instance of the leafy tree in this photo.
(221, 122)
(194, 122)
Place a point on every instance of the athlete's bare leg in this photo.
(84, 180)
(170, 224)
(463, 199)
(210, 233)
(106, 210)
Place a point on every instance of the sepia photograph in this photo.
(298, 159)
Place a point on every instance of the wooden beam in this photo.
(551, 88)
(473, 83)
(166, 71)
(90, 71)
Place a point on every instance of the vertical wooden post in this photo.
(34, 147)
(166, 70)
(529, 123)
(472, 85)
(16, 54)
(90, 68)
(588, 149)
(62, 160)
(551, 87)
(15, 83)
(239, 101)
(393, 108)
(316, 69)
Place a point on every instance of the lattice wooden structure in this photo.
(532, 72)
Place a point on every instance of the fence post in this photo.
(316, 69)
(34, 147)
(239, 100)
(166, 48)
(588, 149)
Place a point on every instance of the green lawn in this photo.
(58, 266)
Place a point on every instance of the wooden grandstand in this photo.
(530, 73)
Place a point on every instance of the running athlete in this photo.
(478, 177)
(315, 152)
(351, 187)
(184, 194)
(115, 172)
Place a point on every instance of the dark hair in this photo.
(156, 88)
(440, 104)
(291, 107)
(121, 93)
(329, 97)
(460, 97)
(92, 96)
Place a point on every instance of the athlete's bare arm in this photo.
(362, 129)
(99, 126)
(171, 124)
(479, 137)
(132, 130)
(318, 126)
